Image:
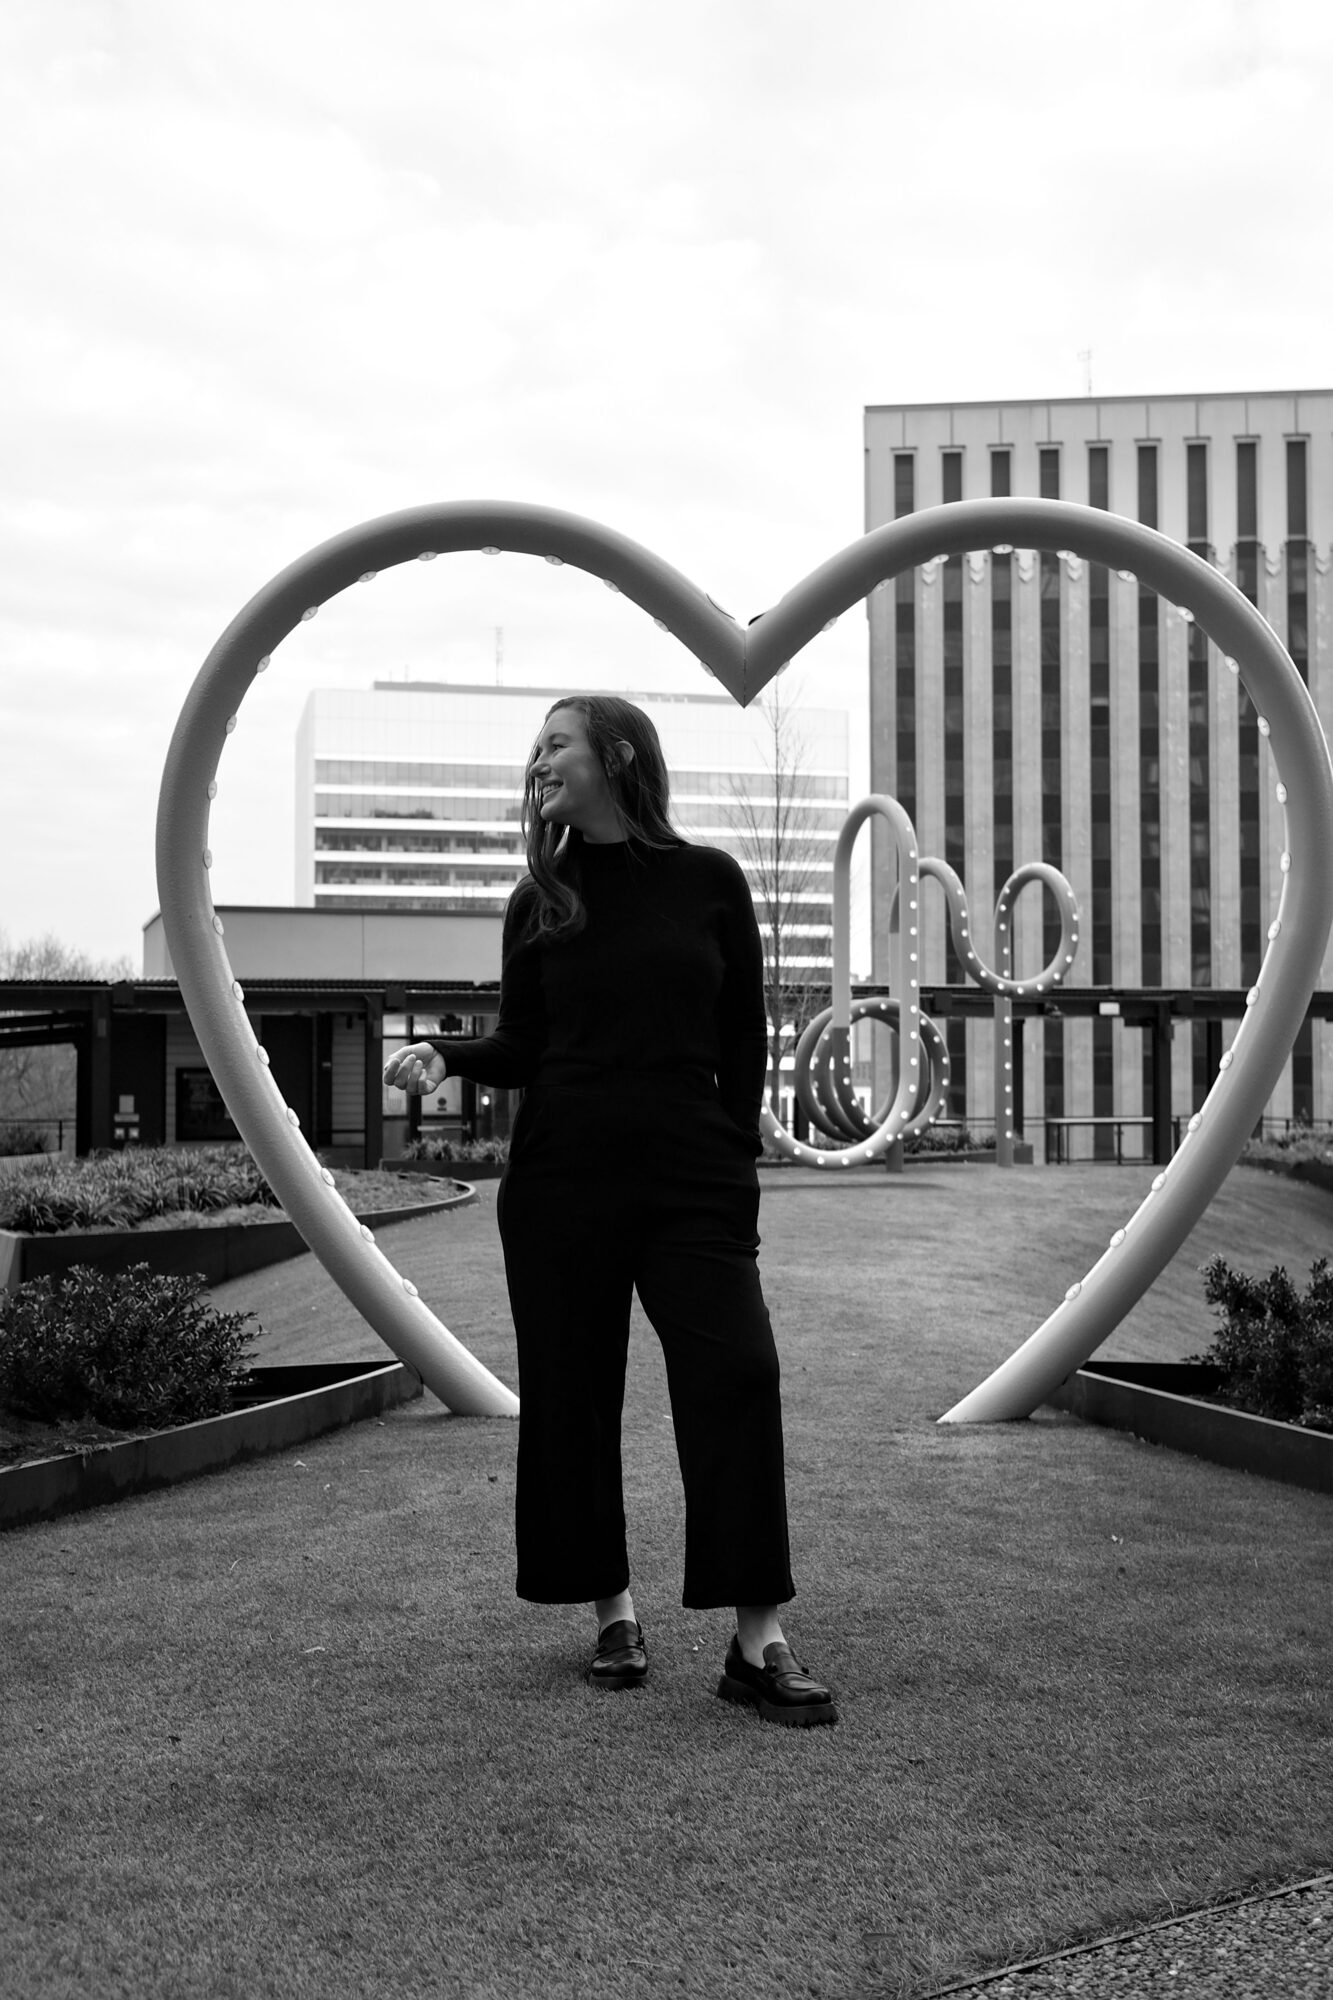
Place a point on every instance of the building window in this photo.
(1298, 558)
(1200, 818)
(904, 483)
(1103, 1087)
(1002, 689)
(955, 822)
(1297, 503)
(1052, 781)
(904, 643)
(1148, 485)
(1150, 752)
(1302, 1073)
(1298, 645)
(1247, 490)
(1099, 736)
(1196, 495)
(1247, 578)
(1099, 746)
(1051, 693)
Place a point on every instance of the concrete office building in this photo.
(408, 795)
(1025, 706)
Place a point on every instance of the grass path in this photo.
(970, 1257)
(287, 1730)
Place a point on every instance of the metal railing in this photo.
(1058, 1130)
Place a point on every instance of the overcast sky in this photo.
(274, 267)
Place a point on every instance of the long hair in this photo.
(640, 792)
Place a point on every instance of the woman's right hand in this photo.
(418, 1069)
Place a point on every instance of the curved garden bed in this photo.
(276, 1408)
(1318, 1173)
(217, 1251)
(1165, 1403)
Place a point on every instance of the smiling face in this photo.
(572, 788)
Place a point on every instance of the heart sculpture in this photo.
(744, 660)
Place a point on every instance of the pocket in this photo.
(531, 1130)
(520, 1131)
(751, 1141)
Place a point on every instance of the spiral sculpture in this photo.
(822, 1064)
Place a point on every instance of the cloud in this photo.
(278, 269)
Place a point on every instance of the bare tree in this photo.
(38, 1083)
(776, 821)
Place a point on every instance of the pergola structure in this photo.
(123, 1037)
(128, 1034)
(1152, 1009)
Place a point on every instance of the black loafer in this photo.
(781, 1689)
(621, 1660)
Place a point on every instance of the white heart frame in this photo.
(745, 660)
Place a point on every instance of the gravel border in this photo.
(1277, 1945)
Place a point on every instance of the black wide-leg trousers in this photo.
(604, 1196)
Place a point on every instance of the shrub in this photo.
(24, 1139)
(1275, 1344)
(941, 1139)
(1300, 1141)
(456, 1149)
(126, 1348)
(934, 1139)
(116, 1190)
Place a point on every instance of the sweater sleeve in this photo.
(508, 1058)
(742, 1016)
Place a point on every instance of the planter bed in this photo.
(982, 1156)
(462, 1170)
(216, 1254)
(1159, 1402)
(1317, 1173)
(277, 1407)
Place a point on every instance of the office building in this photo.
(408, 797)
(1030, 706)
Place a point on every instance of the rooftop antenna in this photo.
(1085, 356)
(499, 655)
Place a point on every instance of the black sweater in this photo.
(663, 988)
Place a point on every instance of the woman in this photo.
(632, 1016)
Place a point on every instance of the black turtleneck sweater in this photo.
(662, 990)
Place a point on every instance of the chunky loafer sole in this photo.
(795, 1715)
(781, 1690)
(621, 1660)
(620, 1677)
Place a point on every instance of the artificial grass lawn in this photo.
(894, 1265)
(287, 1730)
